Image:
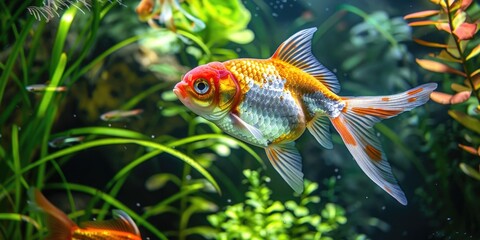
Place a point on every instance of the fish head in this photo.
(210, 91)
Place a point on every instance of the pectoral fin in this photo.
(244, 126)
(286, 159)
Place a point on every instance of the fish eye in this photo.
(201, 86)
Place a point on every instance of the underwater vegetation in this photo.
(88, 117)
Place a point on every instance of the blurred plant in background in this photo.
(458, 60)
(260, 217)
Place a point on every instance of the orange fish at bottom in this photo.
(60, 227)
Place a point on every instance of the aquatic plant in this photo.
(261, 217)
(26, 160)
(215, 24)
(457, 59)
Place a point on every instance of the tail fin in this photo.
(355, 124)
(58, 224)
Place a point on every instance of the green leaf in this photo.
(55, 82)
(241, 37)
(475, 51)
(467, 121)
(157, 181)
(60, 39)
(470, 171)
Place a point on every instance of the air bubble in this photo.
(274, 14)
(383, 207)
(188, 177)
(229, 200)
(153, 136)
(138, 204)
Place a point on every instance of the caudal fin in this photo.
(58, 224)
(355, 124)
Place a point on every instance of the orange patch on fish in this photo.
(344, 132)
(415, 91)
(413, 99)
(373, 153)
(381, 113)
(385, 99)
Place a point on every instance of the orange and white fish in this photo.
(122, 227)
(270, 102)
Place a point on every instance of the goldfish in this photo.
(37, 88)
(61, 227)
(120, 115)
(270, 102)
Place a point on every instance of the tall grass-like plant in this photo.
(457, 59)
(25, 157)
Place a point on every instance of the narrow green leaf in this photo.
(475, 51)
(55, 81)
(19, 217)
(470, 171)
(60, 39)
(467, 121)
(116, 141)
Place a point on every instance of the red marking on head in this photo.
(373, 153)
(344, 131)
(414, 91)
(385, 99)
(412, 99)
(376, 112)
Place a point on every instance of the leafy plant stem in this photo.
(461, 52)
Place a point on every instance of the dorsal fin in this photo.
(297, 51)
(120, 222)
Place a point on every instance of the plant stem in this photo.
(460, 51)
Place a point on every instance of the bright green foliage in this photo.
(261, 217)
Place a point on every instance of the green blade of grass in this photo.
(19, 217)
(116, 141)
(112, 201)
(114, 132)
(65, 23)
(13, 56)
(48, 96)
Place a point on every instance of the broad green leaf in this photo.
(438, 67)
(470, 171)
(475, 51)
(467, 121)
(459, 19)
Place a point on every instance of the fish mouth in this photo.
(179, 90)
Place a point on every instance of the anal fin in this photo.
(286, 159)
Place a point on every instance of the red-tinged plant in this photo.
(459, 57)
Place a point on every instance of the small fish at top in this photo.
(59, 226)
(270, 102)
(38, 88)
(61, 142)
(120, 115)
